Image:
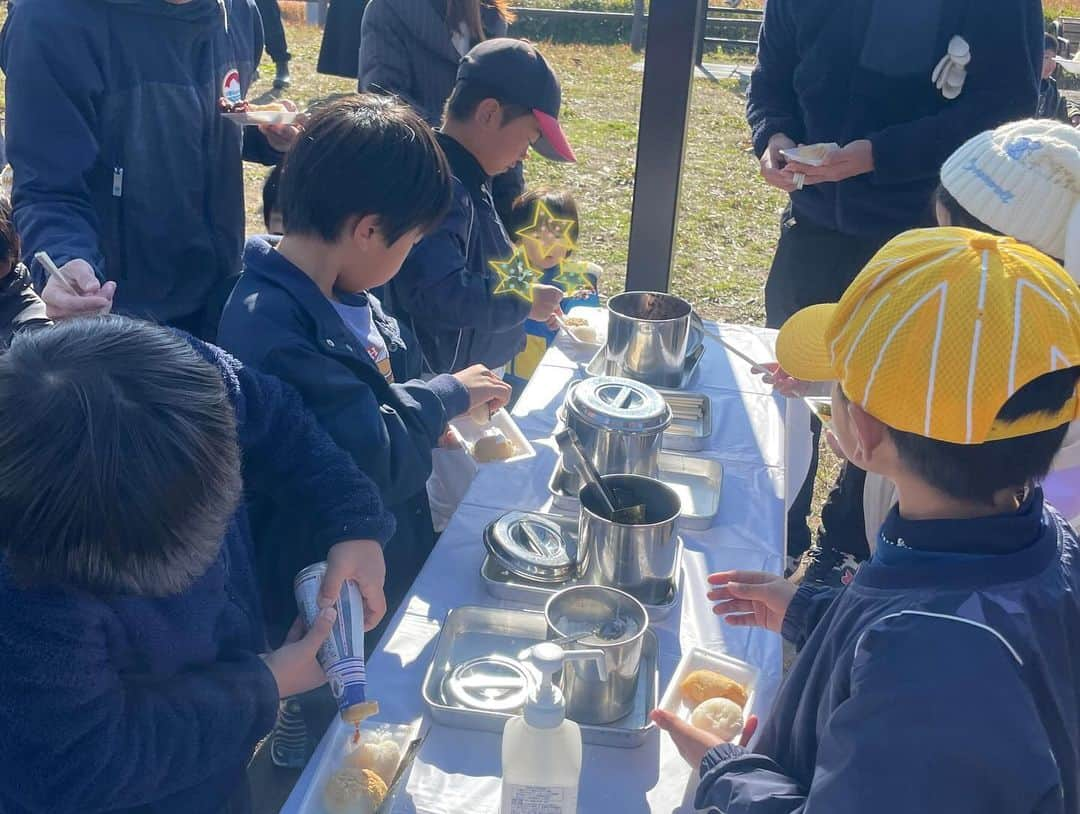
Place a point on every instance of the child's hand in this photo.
(484, 388)
(783, 383)
(751, 598)
(553, 321)
(293, 665)
(692, 742)
(546, 299)
(362, 562)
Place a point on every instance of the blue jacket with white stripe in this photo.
(946, 677)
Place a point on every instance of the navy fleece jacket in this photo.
(120, 153)
(841, 70)
(128, 703)
(945, 678)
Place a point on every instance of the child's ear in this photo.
(365, 230)
(870, 435)
(489, 113)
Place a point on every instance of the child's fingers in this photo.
(374, 607)
(296, 631)
(742, 620)
(319, 629)
(749, 728)
(733, 606)
(724, 577)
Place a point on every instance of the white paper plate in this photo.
(699, 658)
(596, 317)
(797, 154)
(263, 117)
(337, 744)
(468, 432)
(1070, 65)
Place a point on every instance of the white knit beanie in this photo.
(1023, 179)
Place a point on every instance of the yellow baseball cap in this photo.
(939, 330)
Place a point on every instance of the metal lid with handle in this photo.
(613, 403)
(533, 547)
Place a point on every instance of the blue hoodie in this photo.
(121, 156)
(154, 705)
(945, 678)
(841, 70)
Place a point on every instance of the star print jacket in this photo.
(445, 291)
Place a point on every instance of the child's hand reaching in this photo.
(692, 742)
(751, 598)
(293, 665)
(484, 388)
(546, 298)
(782, 382)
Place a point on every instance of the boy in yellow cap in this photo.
(945, 676)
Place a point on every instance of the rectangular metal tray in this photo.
(502, 584)
(691, 421)
(600, 365)
(697, 480)
(472, 631)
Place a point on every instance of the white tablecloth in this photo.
(457, 770)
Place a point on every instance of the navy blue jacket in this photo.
(121, 157)
(946, 678)
(127, 703)
(841, 70)
(278, 321)
(444, 292)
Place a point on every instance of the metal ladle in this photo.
(628, 515)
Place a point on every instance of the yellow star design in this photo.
(573, 278)
(516, 275)
(548, 231)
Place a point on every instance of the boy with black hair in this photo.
(943, 678)
(136, 675)
(1052, 103)
(366, 182)
(452, 291)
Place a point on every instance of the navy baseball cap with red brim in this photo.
(515, 72)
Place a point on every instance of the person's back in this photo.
(943, 678)
(136, 674)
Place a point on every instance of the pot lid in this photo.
(620, 404)
(489, 683)
(534, 547)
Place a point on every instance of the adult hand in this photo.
(282, 136)
(783, 382)
(484, 388)
(751, 598)
(89, 298)
(546, 299)
(692, 742)
(772, 163)
(293, 665)
(856, 158)
(362, 562)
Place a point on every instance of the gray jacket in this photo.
(406, 49)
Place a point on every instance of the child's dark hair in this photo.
(560, 202)
(270, 198)
(119, 465)
(1050, 42)
(10, 248)
(364, 155)
(958, 216)
(467, 96)
(977, 472)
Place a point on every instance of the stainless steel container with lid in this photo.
(536, 547)
(619, 423)
(641, 559)
(648, 335)
(590, 699)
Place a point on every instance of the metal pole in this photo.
(670, 49)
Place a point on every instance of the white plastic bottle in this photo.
(541, 750)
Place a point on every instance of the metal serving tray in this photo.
(601, 365)
(473, 633)
(691, 421)
(697, 480)
(502, 584)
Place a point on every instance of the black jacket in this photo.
(1053, 104)
(279, 322)
(340, 47)
(445, 291)
(406, 49)
(841, 70)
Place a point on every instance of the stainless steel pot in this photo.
(639, 559)
(590, 699)
(648, 333)
(620, 425)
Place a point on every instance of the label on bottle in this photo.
(518, 799)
